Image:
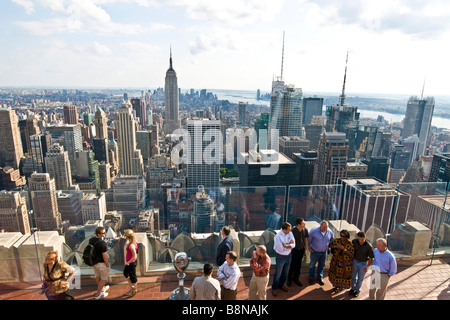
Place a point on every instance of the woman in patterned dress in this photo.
(340, 272)
(55, 283)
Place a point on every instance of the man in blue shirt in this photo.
(318, 244)
(384, 266)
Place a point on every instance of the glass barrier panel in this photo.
(427, 216)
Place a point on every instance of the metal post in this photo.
(439, 226)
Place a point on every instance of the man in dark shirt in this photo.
(363, 258)
(101, 267)
(300, 233)
(224, 246)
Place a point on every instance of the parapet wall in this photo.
(22, 256)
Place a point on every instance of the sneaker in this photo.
(129, 293)
(105, 288)
(274, 292)
(102, 295)
(321, 282)
(285, 289)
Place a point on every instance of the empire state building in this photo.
(172, 121)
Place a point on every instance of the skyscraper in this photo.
(10, 143)
(285, 110)
(44, 201)
(28, 127)
(13, 212)
(419, 113)
(70, 114)
(332, 156)
(201, 171)
(140, 110)
(172, 121)
(130, 158)
(344, 118)
(100, 122)
(87, 166)
(242, 113)
(58, 166)
(311, 107)
(69, 136)
(40, 143)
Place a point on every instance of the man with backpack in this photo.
(100, 262)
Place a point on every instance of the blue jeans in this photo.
(358, 274)
(320, 258)
(281, 271)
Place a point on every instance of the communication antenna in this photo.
(423, 87)
(282, 59)
(345, 78)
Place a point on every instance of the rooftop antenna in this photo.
(170, 60)
(345, 78)
(423, 87)
(282, 59)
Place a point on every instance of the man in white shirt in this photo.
(284, 242)
(229, 274)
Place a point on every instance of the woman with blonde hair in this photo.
(55, 283)
(130, 262)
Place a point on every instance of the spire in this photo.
(170, 60)
(282, 59)
(343, 86)
(423, 87)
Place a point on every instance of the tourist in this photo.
(205, 287)
(129, 271)
(300, 233)
(229, 274)
(225, 245)
(318, 244)
(101, 266)
(283, 243)
(340, 272)
(272, 219)
(384, 266)
(55, 284)
(363, 259)
(260, 263)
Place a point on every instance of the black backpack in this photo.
(89, 256)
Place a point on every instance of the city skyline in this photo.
(393, 46)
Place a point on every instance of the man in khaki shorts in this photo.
(101, 267)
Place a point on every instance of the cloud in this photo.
(79, 16)
(217, 39)
(49, 26)
(417, 18)
(26, 4)
(230, 12)
(139, 48)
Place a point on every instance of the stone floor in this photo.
(415, 280)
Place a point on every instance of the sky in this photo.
(394, 46)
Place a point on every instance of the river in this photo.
(235, 96)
